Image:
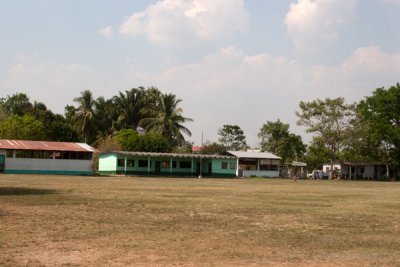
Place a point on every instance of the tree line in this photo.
(367, 131)
(148, 120)
(148, 111)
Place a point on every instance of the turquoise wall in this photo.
(108, 165)
(108, 162)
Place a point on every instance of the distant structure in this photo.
(42, 157)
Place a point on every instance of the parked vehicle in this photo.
(318, 174)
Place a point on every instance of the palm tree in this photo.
(106, 117)
(166, 118)
(130, 107)
(83, 121)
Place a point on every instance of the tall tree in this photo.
(17, 104)
(106, 116)
(130, 140)
(330, 120)
(130, 105)
(166, 119)
(212, 148)
(276, 138)
(317, 154)
(232, 137)
(381, 114)
(21, 128)
(84, 120)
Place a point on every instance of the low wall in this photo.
(50, 166)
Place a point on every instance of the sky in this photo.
(239, 62)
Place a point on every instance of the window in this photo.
(268, 167)
(10, 153)
(185, 164)
(143, 163)
(165, 164)
(224, 165)
(362, 170)
(120, 162)
(232, 166)
(23, 154)
(130, 163)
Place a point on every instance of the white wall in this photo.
(48, 164)
(325, 167)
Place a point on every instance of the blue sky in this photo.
(231, 61)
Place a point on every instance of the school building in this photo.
(42, 157)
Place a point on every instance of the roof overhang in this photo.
(167, 155)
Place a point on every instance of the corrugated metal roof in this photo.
(45, 145)
(174, 155)
(299, 164)
(253, 155)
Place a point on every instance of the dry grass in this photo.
(119, 221)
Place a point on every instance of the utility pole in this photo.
(201, 159)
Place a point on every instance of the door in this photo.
(210, 168)
(2, 163)
(158, 167)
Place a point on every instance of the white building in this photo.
(42, 157)
(254, 163)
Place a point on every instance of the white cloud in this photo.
(225, 87)
(177, 21)
(106, 31)
(55, 84)
(311, 23)
(232, 87)
(395, 2)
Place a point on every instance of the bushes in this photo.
(130, 140)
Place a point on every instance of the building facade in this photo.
(233, 164)
(42, 157)
(356, 170)
(167, 164)
(255, 163)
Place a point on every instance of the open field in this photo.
(119, 221)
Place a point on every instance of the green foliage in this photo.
(330, 119)
(381, 115)
(276, 138)
(83, 121)
(58, 129)
(96, 120)
(213, 148)
(185, 148)
(317, 154)
(130, 107)
(164, 116)
(129, 140)
(17, 104)
(232, 137)
(21, 128)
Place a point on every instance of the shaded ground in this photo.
(119, 221)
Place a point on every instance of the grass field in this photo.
(120, 221)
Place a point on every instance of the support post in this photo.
(192, 166)
(125, 165)
(170, 165)
(148, 164)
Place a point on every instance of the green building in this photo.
(167, 164)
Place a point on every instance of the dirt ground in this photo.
(131, 221)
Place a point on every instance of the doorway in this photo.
(158, 167)
(2, 163)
